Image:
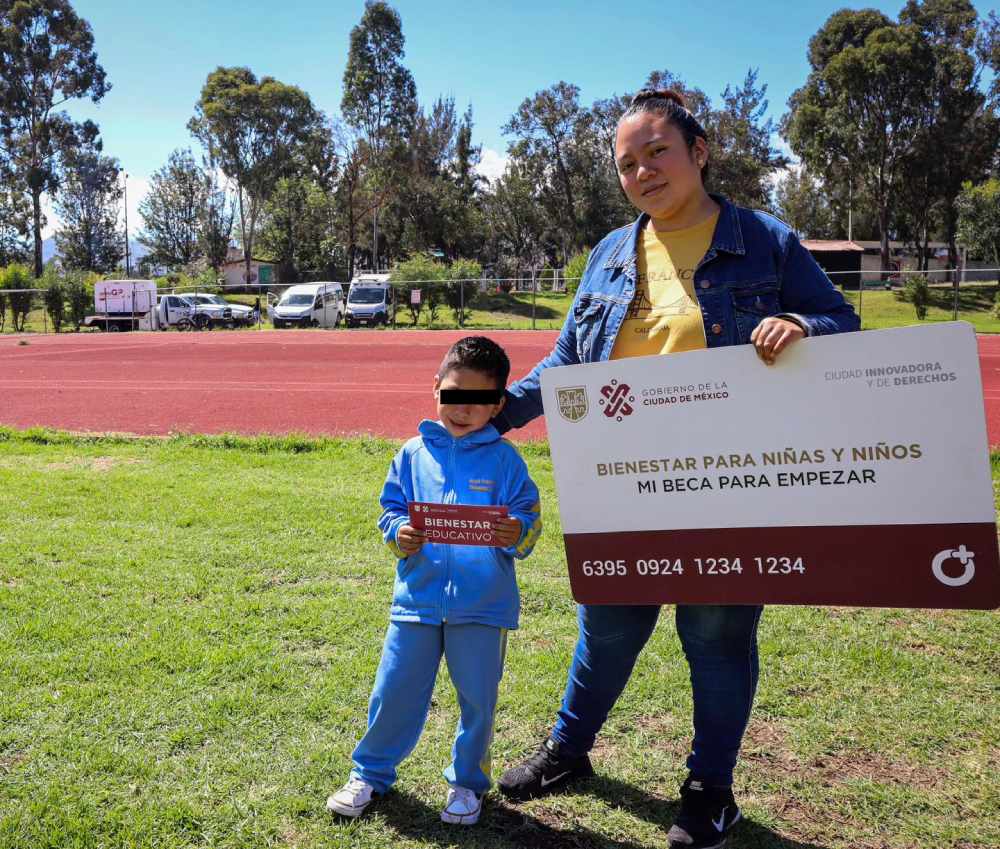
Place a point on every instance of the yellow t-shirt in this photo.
(664, 316)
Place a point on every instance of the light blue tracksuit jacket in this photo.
(449, 583)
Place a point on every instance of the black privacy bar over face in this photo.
(471, 396)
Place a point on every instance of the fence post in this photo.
(959, 279)
(534, 289)
(461, 303)
(861, 294)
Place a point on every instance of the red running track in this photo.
(316, 382)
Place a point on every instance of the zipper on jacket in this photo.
(449, 498)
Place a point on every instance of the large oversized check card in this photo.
(854, 471)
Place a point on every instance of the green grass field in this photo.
(189, 629)
(881, 309)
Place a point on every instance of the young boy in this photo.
(456, 600)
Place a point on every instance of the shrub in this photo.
(918, 293)
(79, 288)
(425, 273)
(461, 295)
(574, 270)
(17, 277)
(996, 304)
(55, 297)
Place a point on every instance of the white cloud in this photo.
(491, 164)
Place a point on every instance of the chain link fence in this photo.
(539, 299)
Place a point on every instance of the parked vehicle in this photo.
(309, 305)
(124, 305)
(185, 313)
(370, 302)
(241, 313)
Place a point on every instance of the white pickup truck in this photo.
(189, 312)
(134, 305)
(240, 314)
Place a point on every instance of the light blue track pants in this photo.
(402, 696)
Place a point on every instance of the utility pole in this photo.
(850, 209)
(128, 259)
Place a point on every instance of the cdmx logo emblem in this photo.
(617, 400)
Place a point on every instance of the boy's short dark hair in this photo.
(478, 353)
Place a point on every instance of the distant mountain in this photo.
(137, 249)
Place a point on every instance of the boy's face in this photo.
(460, 419)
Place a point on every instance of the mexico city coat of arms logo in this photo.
(572, 402)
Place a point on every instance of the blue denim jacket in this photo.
(754, 268)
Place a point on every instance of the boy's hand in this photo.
(508, 531)
(409, 539)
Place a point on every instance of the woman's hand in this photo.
(409, 539)
(773, 335)
(508, 531)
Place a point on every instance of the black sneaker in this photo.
(707, 814)
(543, 772)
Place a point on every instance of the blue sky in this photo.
(487, 54)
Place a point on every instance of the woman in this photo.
(693, 271)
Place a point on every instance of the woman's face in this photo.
(661, 176)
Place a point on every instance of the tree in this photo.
(435, 206)
(800, 201)
(544, 126)
(863, 104)
(380, 97)
(297, 230)
(215, 227)
(47, 58)
(15, 220)
(962, 131)
(173, 211)
(353, 200)
(979, 219)
(298, 220)
(514, 218)
(89, 237)
(743, 157)
(988, 51)
(253, 129)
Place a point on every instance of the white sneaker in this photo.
(351, 799)
(463, 807)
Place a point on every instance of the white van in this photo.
(370, 302)
(309, 305)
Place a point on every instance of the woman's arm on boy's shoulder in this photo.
(524, 397)
(523, 503)
(397, 492)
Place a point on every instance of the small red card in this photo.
(456, 524)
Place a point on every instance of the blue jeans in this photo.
(720, 644)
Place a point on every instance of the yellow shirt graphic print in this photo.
(664, 316)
